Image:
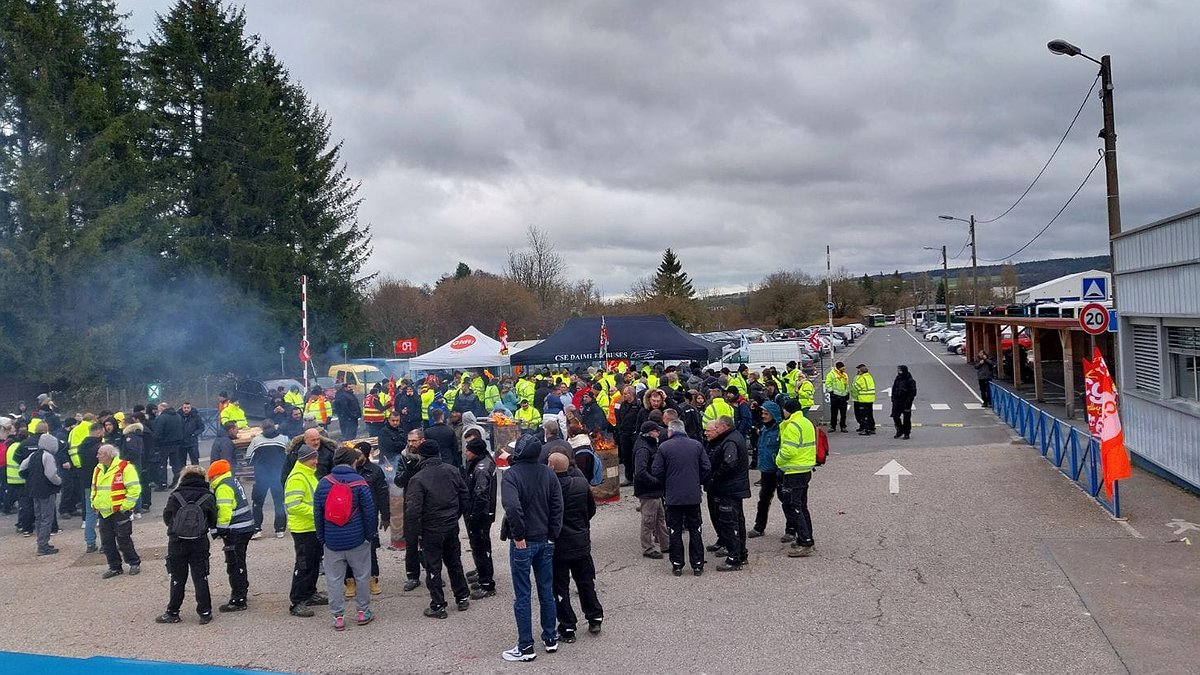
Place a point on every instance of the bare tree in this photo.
(538, 268)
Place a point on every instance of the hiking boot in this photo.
(435, 613)
(787, 538)
(108, 574)
(232, 606)
(351, 588)
(135, 570)
(364, 617)
(167, 617)
(566, 635)
(677, 570)
(711, 548)
(481, 593)
(49, 550)
(698, 570)
(551, 646)
(798, 551)
(205, 619)
(518, 654)
(473, 585)
(410, 584)
(653, 555)
(594, 626)
(473, 575)
(301, 610)
(754, 534)
(339, 622)
(729, 567)
(91, 548)
(375, 588)
(720, 552)
(317, 600)
(462, 605)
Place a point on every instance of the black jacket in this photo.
(324, 457)
(693, 420)
(377, 481)
(435, 499)
(627, 417)
(730, 461)
(292, 428)
(904, 392)
(412, 418)
(135, 445)
(223, 448)
(532, 497)
(645, 485)
(192, 427)
(681, 465)
(168, 428)
(575, 539)
(345, 404)
(406, 467)
(481, 484)
(392, 440)
(87, 455)
(447, 443)
(191, 488)
(594, 417)
(469, 403)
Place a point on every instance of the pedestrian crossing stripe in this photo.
(939, 406)
(944, 425)
(815, 408)
(877, 406)
(973, 406)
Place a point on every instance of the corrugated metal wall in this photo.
(1157, 277)
(1169, 438)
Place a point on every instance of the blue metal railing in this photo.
(1074, 452)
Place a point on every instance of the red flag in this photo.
(503, 338)
(815, 341)
(304, 355)
(1114, 458)
(392, 390)
(603, 335)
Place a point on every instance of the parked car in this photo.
(255, 394)
(955, 342)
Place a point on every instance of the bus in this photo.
(876, 320)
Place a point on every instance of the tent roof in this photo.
(469, 349)
(637, 338)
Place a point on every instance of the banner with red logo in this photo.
(305, 357)
(1104, 421)
(406, 346)
(462, 341)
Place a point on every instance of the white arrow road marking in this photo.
(1182, 525)
(888, 391)
(939, 406)
(815, 408)
(893, 471)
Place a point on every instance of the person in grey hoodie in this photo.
(43, 482)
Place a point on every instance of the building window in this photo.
(1183, 349)
(1146, 359)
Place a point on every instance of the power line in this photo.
(1060, 212)
(1047, 164)
(964, 247)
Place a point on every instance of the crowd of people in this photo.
(686, 439)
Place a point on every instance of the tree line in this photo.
(159, 201)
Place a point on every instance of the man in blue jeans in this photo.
(533, 513)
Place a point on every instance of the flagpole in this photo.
(304, 328)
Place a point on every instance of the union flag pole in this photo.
(305, 357)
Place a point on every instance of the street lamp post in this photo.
(974, 261)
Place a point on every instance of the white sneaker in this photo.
(137, 516)
(279, 535)
(517, 654)
(257, 535)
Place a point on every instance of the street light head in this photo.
(946, 217)
(1063, 47)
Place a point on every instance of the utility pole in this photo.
(945, 283)
(974, 270)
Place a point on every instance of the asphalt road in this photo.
(986, 561)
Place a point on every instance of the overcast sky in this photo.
(745, 135)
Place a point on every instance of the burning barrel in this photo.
(606, 450)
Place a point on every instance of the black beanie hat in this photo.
(791, 406)
(477, 446)
(429, 449)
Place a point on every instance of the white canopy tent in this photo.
(470, 349)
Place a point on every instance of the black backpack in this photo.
(189, 521)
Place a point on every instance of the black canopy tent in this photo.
(637, 338)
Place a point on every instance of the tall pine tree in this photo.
(670, 280)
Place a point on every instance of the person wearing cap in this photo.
(796, 459)
(863, 392)
(528, 416)
(533, 516)
(435, 499)
(115, 490)
(682, 466)
(573, 554)
(479, 516)
(805, 392)
(42, 482)
(649, 491)
(235, 526)
(837, 385)
(298, 492)
(595, 420)
(222, 445)
(347, 545)
(189, 555)
(743, 418)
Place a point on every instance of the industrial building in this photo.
(1069, 288)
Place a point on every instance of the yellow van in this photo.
(360, 377)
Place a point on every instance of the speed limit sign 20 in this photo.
(1094, 318)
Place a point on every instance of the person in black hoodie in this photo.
(184, 555)
(193, 428)
(133, 448)
(533, 516)
(377, 481)
(293, 426)
(168, 437)
(348, 411)
(408, 406)
(649, 491)
(392, 437)
(479, 516)
(573, 554)
(627, 431)
(408, 462)
(904, 392)
(729, 486)
(444, 436)
(434, 501)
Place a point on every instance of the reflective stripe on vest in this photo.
(242, 518)
(115, 487)
(13, 468)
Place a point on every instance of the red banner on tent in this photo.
(1104, 421)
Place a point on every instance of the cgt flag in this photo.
(503, 338)
(1104, 421)
(603, 337)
